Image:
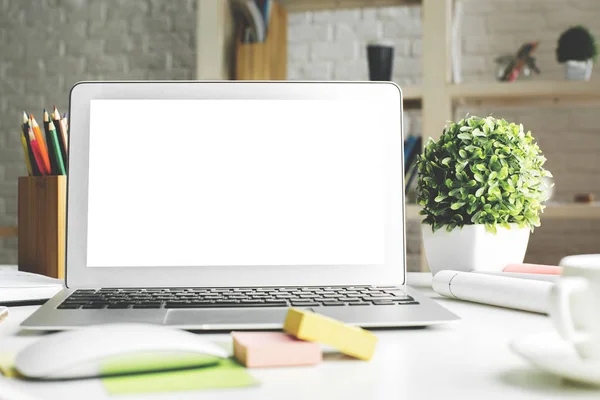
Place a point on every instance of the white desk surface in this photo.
(464, 360)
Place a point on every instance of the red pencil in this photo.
(41, 143)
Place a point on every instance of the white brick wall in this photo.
(48, 45)
(570, 137)
(332, 44)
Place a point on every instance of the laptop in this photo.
(218, 205)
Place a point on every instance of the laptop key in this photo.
(332, 303)
(304, 303)
(76, 304)
(276, 302)
(361, 303)
(93, 306)
(383, 302)
(387, 298)
(68, 306)
(309, 296)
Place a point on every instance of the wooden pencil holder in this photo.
(266, 60)
(41, 225)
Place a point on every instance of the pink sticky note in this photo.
(534, 269)
(273, 349)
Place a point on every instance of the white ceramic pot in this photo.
(578, 70)
(473, 248)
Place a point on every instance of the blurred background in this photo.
(449, 57)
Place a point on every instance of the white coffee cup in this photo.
(575, 309)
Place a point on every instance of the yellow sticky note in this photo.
(7, 365)
(350, 340)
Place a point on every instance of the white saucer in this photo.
(549, 352)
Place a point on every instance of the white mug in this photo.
(575, 309)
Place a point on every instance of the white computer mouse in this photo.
(110, 349)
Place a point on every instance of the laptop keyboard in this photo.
(330, 296)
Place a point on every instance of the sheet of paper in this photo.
(227, 374)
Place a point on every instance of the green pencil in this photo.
(53, 142)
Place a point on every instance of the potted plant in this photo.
(481, 191)
(577, 49)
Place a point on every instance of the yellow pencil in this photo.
(26, 153)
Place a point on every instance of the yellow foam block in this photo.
(350, 340)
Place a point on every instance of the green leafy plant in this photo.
(481, 171)
(576, 43)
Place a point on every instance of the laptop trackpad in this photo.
(229, 317)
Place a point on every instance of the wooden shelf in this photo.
(552, 211)
(316, 5)
(411, 92)
(571, 211)
(527, 90)
(412, 96)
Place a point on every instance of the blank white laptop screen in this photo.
(235, 182)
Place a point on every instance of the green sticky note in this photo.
(226, 374)
(155, 362)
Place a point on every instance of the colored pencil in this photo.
(25, 130)
(26, 154)
(53, 144)
(46, 119)
(37, 153)
(61, 130)
(41, 144)
(54, 168)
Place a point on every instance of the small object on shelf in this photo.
(521, 63)
(584, 198)
(255, 20)
(273, 349)
(380, 56)
(312, 327)
(577, 50)
(265, 59)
